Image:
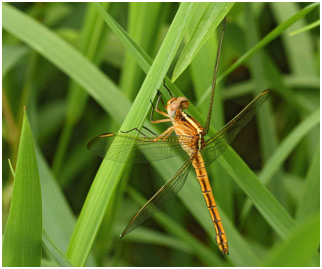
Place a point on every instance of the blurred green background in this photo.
(281, 146)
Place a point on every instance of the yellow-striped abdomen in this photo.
(199, 166)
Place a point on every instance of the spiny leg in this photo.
(155, 108)
(136, 129)
(160, 97)
(165, 86)
(165, 134)
(146, 128)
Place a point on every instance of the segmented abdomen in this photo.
(199, 166)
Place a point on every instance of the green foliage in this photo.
(118, 54)
(22, 237)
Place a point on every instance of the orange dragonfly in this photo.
(189, 139)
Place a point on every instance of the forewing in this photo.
(164, 195)
(216, 145)
(138, 149)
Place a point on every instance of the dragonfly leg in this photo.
(135, 129)
(165, 86)
(160, 97)
(165, 134)
(146, 128)
(155, 108)
(160, 121)
(157, 105)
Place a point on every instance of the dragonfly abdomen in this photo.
(202, 176)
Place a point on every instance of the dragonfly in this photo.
(186, 137)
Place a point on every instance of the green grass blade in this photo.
(282, 152)
(273, 212)
(264, 119)
(144, 26)
(299, 247)
(11, 56)
(288, 145)
(58, 256)
(66, 58)
(90, 39)
(306, 28)
(202, 68)
(141, 57)
(302, 63)
(207, 255)
(58, 218)
(261, 44)
(11, 168)
(23, 234)
(275, 81)
(103, 188)
(212, 17)
(150, 237)
(284, 82)
(309, 201)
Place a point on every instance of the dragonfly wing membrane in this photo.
(217, 144)
(164, 195)
(138, 149)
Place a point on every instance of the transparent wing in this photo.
(217, 144)
(164, 195)
(138, 149)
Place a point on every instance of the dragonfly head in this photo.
(176, 103)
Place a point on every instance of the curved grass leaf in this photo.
(306, 28)
(144, 26)
(11, 168)
(58, 256)
(262, 43)
(309, 201)
(150, 237)
(58, 218)
(207, 255)
(300, 63)
(211, 18)
(266, 125)
(299, 247)
(142, 58)
(288, 145)
(274, 213)
(23, 234)
(90, 39)
(66, 58)
(282, 152)
(10, 56)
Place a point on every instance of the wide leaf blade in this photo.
(22, 238)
